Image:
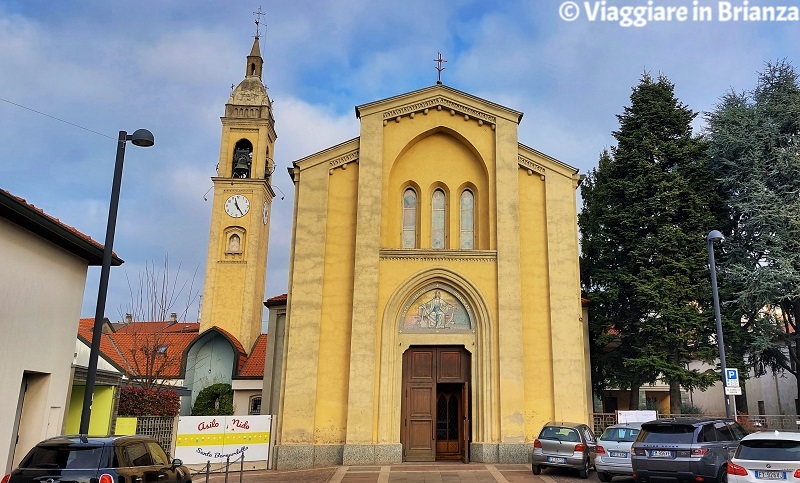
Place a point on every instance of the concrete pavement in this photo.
(399, 473)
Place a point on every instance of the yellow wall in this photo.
(100, 418)
(337, 305)
(438, 158)
(539, 407)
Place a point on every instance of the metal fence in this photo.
(159, 427)
(751, 423)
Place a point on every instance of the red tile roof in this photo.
(277, 298)
(85, 331)
(163, 326)
(254, 365)
(128, 348)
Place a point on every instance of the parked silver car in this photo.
(614, 451)
(564, 445)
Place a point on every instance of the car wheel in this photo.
(606, 477)
(536, 469)
(584, 472)
(723, 475)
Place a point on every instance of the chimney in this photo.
(173, 318)
(128, 318)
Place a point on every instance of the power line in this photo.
(57, 119)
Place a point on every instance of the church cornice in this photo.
(333, 157)
(439, 103)
(342, 161)
(439, 255)
(439, 96)
(239, 183)
(531, 165)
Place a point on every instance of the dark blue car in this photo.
(110, 459)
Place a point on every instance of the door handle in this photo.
(138, 478)
(162, 475)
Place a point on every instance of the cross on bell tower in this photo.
(258, 15)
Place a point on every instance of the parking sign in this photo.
(732, 377)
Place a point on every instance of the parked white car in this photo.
(766, 456)
(614, 451)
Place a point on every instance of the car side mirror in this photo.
(175, 463)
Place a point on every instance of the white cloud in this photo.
(168, 66)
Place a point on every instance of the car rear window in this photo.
(627, 435)
(773, 450)
(667, 433)
(559, 433)
(63, 457)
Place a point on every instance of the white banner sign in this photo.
(636, 416)
(215, 438)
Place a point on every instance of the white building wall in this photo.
(777, 391)
(81, 358)
(41, 289)
(243, 390)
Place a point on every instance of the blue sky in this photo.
(168, 65)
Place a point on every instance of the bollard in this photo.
(227, 466)
(241, 469)
(208, 469)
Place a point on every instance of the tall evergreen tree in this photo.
(754, 140)
(646, 211)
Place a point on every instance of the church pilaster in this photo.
(510, 359)
(361, 399)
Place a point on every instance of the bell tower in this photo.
(236, 266)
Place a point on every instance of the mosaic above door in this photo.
(435, 309)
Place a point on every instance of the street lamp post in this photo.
(143, 138)
(712, 237)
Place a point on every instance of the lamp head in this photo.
(714, 236)
(142, 138)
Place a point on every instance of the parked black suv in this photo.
(685, 449)
(111, 459)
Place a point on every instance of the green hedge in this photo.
(215, 400)
(135, 401)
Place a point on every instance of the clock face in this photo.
(265, 213)
(237, 206)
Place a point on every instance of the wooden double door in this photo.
(435, 409)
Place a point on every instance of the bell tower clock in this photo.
(236, 265)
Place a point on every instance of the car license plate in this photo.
(618, 454)
(660, 454)
(553, 459)
(770, 475)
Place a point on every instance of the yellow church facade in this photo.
(433, 309)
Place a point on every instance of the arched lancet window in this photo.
(438, 219)
(467, 220)
(409, 218)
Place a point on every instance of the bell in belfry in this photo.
(241, 163)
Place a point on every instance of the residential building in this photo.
(41, 291)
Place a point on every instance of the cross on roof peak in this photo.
(439, 61)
